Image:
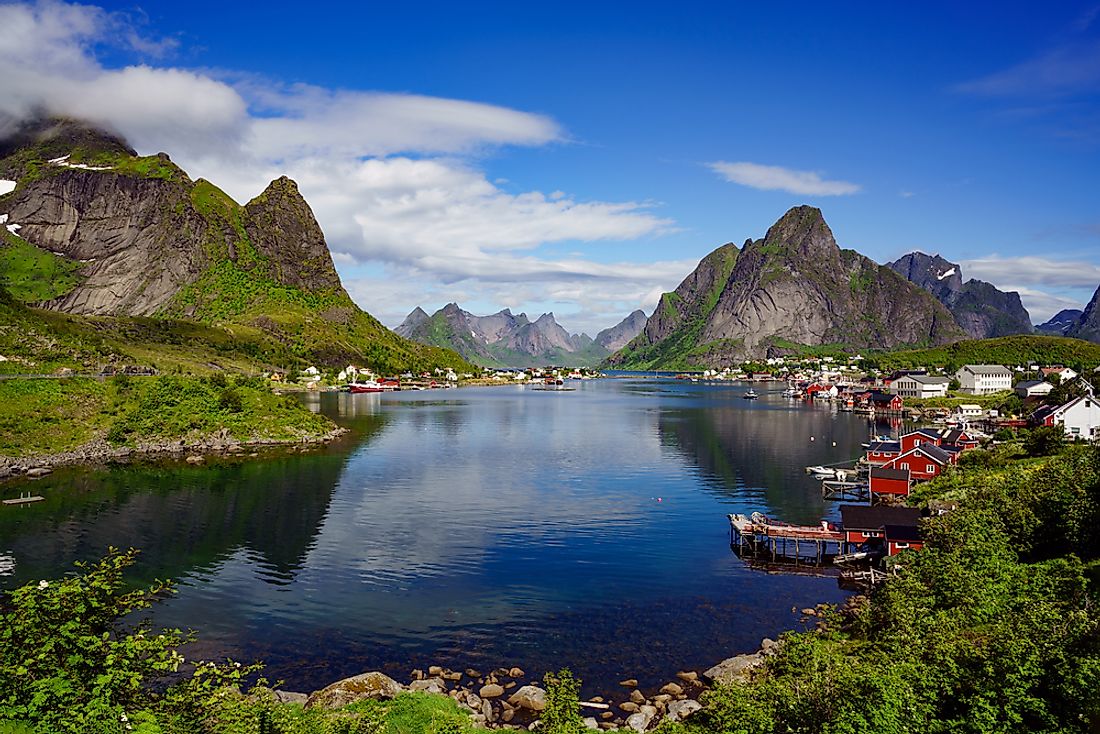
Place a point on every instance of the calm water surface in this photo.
(469, 528)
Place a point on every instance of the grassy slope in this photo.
(1006, 350)
(50, 416)
(680, 349)
(31, 274)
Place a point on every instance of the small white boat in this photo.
(821, 471)
(750, 395)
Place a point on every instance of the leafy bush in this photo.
(562, 714)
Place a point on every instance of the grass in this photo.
(47, 416)
(31, 274)
(1006, 350)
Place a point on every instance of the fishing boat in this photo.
(821, 471)
(750, 395)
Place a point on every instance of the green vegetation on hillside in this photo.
(30, 274)
(45, 416)
(1006, 350)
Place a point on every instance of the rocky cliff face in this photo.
(794, 287)
(1088, 325)
(980, 308)
(1061, 322)
(616, 337)
(147, 240)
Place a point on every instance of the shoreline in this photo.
(98, 452)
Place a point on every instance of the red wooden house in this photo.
(895, 482)
(921, 436)
(923, 462)
(882, 452)
(961, 440)
(867, 523)
(902, 537)
(884, 402)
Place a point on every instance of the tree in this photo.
(1045, 441)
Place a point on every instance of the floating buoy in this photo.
(811, 438)
(834, 443)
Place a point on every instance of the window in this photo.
(901, 546)
(904, 466)
(930, 468)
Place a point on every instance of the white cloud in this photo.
(777, 178)
(391, 177)
(1034, 271)
(1069, 69)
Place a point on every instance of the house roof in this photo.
(929, 432)
(902, 533)
(882, 397)
(955, 435)
(987, 369)
(874, 517)
(926, 379)
(1028, 384)
(881, 472)
(882, 446)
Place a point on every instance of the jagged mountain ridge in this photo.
(1061, 322)
(981, 309)
(793, 288)
(1088, 325)
(146, 240)
(504, 339)
(616, 337)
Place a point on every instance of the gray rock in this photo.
(487, 711)
(769, 646)
(291, 697)
(492, 690)
(639, 722)
(637, 696)
(680, 710)
(531, 698)
(688, 676)
(39, 471)
(372, 685)
(672, 689)
(473, 701)
(737, 668)
(591, 723)
(629, 706)
(429, 685)
(629, 683)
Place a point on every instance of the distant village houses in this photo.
(920, 386)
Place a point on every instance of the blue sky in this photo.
(581, 158)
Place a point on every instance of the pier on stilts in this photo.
(759, 537)
(835, 489)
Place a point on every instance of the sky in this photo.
(581, 158)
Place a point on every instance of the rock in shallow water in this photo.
(532, 698)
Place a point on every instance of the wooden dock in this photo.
(24, 499)
(834, 489)
(760, 537)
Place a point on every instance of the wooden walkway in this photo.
(834, 489)
(760, 537)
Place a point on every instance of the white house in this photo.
(1064, 374)
(1079, 417)
(968, 410)
(982, 379)
(1033, 389)
(920, 386)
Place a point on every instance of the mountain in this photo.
(118, 235)
(1060, 322)
(1088, 325)
(981, 309)
(616, 337)
(792, 289)
(502, 339)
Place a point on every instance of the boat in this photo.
(821, 471)
(750, 395)
(374, 386)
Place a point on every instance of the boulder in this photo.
(491, 690)
(637, 696)
(452, 675)
(373, 685)
(769, 646)
(591, 723)
(429, 685)
(291, 697)
(688, 676)
(435, 670)
(639, 722)
(487, 711)
(194, 459)
(516, 673)
(629, 706)
(38, 471)
(473, 701)
(629, 683)
(531, 698)
(672, 689)
(737, 668)
(680, 710)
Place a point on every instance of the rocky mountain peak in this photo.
(1088, 325)
(282, 228)
(52, 137)
(800, 233)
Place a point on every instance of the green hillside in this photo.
(1007, 350)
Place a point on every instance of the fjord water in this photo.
(479, 527)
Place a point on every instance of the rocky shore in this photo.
(507, 698)
(99, 452)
